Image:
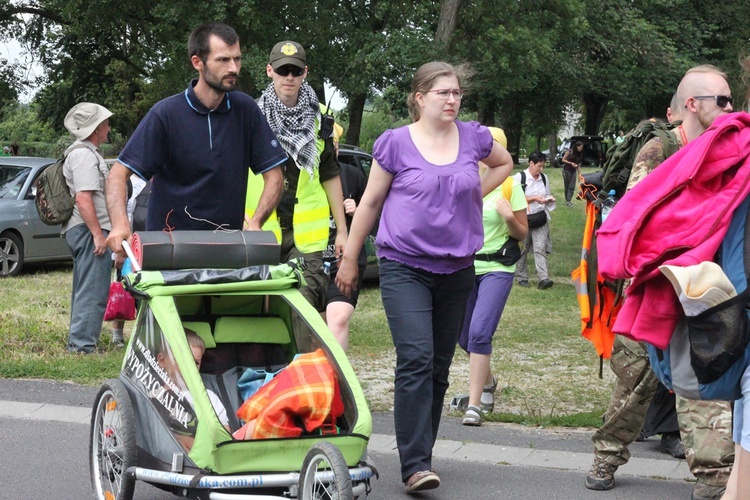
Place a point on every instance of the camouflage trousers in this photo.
(705, 426)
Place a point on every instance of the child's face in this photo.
(197, 356)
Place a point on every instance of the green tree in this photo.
(374, 45)
(22, 123)
(520, 56)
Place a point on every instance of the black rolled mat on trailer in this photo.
(161, 250)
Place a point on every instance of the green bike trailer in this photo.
(156, 422)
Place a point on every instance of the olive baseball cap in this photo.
(287, 52)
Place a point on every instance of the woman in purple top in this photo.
(424, 178)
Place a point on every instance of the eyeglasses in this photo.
(443, 94)
(721, 100)
(289, 68)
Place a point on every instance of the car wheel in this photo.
(112, 445)
(11, 254)
(325, 475)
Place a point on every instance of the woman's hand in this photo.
(347, 275)
(503, 208)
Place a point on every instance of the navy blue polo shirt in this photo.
(199, 159)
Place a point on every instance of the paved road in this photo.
(44, 430)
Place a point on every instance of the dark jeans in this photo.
(570, 180)
(425, 313)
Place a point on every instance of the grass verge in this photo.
(548, 373)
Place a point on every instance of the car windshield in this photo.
(12, 179)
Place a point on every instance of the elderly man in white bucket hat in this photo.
(86, 230)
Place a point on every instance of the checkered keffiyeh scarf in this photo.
(294, 127)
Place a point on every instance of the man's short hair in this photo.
(675, 102)
(198, 43)
(675, 108)
(694, 81)
(707, 68)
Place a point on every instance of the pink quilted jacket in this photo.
(677, 215)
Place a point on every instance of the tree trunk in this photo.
(552, 146)
(512, 119)
(595, 106)
(486, 115)
(446, 24)
(356, 108)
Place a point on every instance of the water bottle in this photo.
(608, 204)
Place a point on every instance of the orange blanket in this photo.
(306, 391)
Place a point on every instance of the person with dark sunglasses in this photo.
(312, 183)
(721, 100)
(707, 447)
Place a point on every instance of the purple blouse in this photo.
(432, 215)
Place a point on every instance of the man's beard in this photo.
(706, 118)
(218, 84)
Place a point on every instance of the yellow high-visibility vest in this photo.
(311, 211)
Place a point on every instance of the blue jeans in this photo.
(425, 313)
(91, 278)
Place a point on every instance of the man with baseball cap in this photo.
(312, 187)
(86, 231)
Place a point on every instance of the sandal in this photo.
(489, 389)
(472, 416)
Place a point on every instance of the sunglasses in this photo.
(443, 94)
(289, 68)
(721, 100)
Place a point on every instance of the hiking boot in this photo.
(672, 444)
(472, 416)
(702, 491)
(601, 476)
(544, 284)
(524, 283)
(422, 480)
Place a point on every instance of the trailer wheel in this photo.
(325, 475)
(112, 444)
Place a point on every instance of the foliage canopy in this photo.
(615, 61)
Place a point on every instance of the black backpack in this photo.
(140, 211)
(523, 180)
(53, 200)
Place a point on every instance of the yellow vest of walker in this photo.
(311, 212)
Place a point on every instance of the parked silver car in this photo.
(23, 236)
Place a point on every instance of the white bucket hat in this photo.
(699, 287)
(84, 117)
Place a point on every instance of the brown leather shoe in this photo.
(422, 480)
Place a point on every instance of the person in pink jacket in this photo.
(708, 448)
(677, 215)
